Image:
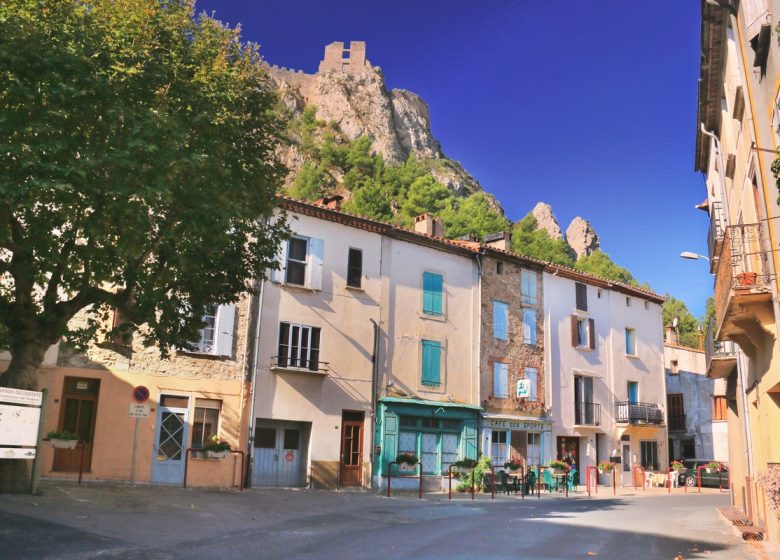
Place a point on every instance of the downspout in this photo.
(251, 436)
(374, 387)
(476, 359)
(746, 413)
(721, 176)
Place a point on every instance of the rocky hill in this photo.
(582, 239)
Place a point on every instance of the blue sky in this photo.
(589, 106)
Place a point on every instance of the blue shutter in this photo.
(532, 375)
(529, 326)
(432, 293)
(500, 320)
(470, 438)
(633, 392)
(500, 380)
(431, 363)
(528, 286)
(390, 440)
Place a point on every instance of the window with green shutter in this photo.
(431, 363)
(432, 293)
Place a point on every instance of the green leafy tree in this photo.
(537, 243)
(310, 183)
(370, 200)
(599, 263)
(139, 148)
(425, 195)
(709, 314)
(687, 325)
(473, 215)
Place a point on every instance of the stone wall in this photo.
(505, 287)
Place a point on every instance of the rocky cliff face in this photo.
(351, 94)
(582, 238)
(545, 219)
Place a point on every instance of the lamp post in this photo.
(693, 256)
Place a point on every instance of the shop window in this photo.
(534, 448)
(449, 451)
(205, 423)
(499, 450)
(649, 455)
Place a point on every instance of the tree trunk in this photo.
(22, 373)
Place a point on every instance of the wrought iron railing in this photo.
(587, 414)
(627, 412)
(299, 364)
(741, 266)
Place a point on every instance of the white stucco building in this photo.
(604, 344)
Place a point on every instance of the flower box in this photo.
(63, 443)
(216, 454)
(407, 467)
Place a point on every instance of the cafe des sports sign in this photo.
(505, 424)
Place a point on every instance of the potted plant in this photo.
(513, 465)
(677, 466)
(605, 467)
(216, 448)
(406, 461)
(712, 466)
(62, 439)
(465, 464)
(745, 279)
(559, 466)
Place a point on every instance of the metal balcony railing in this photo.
(299, 364)
(587, 414)
(638, 413)
(677, 423)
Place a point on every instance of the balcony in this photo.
(284, 364)
(638, 413)
(719, 355)
(587, 414)
(677, 423)
(716, 233)
(741, 279)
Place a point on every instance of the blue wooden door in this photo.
(278, 453)
(170, 445)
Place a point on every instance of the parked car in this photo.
(688, 474)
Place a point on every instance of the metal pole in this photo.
(449, 496)
(614, 482)
(492, 482)
(389, 476)
(472, 483)
(186, 464)
(419, 494)
(81, 461)
(132, 457)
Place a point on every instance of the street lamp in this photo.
(693, 256)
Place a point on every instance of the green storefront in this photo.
(439, 433)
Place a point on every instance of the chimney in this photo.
(429, 224)
(332, 202)
(500, 240)
(671, 335)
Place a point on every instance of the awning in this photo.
(721, 367)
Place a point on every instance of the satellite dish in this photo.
(675, 322)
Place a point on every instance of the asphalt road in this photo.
(97, 521)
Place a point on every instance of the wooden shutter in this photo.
(532, 375)
(500, 319)
(574, 331)
(225, 321)
(500, 380)
(432, 293)
(470, 438)
(390, 440)
(528, 286)
(591, 334)
(581, 296)
(315, 264)
(431, 363)
(529, 326)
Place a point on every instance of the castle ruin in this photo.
(339, 59)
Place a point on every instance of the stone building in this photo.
(513, 386)
(736, 145)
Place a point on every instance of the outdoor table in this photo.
(561, 479)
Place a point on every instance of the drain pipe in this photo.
(251, 435)
(721, 176)
(374, 383)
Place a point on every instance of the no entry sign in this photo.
(140, 394)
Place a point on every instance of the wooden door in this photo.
(77, 415)
(351, 469)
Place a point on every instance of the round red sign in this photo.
(290, 457)
(140, 394)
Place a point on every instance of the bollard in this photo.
(595, 471)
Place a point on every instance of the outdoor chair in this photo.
(529, 483)
(487, 482)
(502, 482)
(547, 479)
(572, 478)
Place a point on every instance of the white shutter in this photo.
(314, 268)
(547, 449)
(226, 317)
(278, 275)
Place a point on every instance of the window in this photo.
(632, 391)
(437, 450)
(216, 337)
(432, 293)
(297, 249)
(583, 333)
(628, 302)
(532, 375)
(631, 342)
(674, 368)
(431, 363)
(206, 421)
(581, 296)
(529, 326)
(647, 305)
(719, 408)
(598, 294)
(675, 407)
(499, 450)
(499, 267)
(528, 287)
(299, 346)
(500, 320)
(449, 451)
(649, 455)
(354, 268)
(534, 449)
(265, 438)
(500, 380)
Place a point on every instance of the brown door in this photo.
(569, 452)
(351, 471)
(78, 410)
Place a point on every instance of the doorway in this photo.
(351, 468)
(569, 451)
(279, 453)
(77, 415)
(170, 439)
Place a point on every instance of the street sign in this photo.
(139, 410)
(290, 457)
(523, 388)
(19, 425)
(140, 394)
(20, 396)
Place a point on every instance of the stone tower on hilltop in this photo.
(339, 59)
